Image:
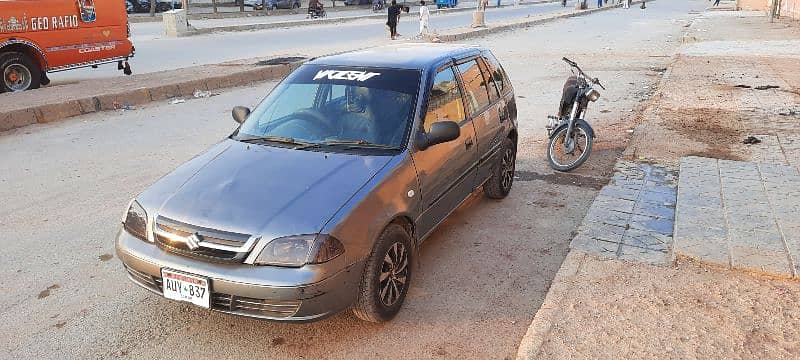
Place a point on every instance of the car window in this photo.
(445, 102)
(494, 92)
(294, 97)
(475, 87)
(330, 104)
(498, 74)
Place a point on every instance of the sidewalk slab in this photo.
(632, 217)
(751, 209)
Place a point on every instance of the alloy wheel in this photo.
(507, 166)
(394, 274)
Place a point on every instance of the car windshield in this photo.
(336, 106)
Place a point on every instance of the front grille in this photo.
(239, 305)
(252, 306)
(151, 282)
(235, 243)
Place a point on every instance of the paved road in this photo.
(155, 53)
(483, 274)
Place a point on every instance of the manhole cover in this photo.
(280, 60)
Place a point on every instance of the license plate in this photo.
(185, 287)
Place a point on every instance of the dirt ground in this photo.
(619, 310)
(723, 88)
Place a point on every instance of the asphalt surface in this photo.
(483, 274)
(154, 52)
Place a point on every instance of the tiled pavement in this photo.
(734, 214)
(632, 217)
(739, 215)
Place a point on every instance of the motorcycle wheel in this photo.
(560, 158)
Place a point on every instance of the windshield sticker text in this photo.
(351, 75)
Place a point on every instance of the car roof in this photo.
(402, 56)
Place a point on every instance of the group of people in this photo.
(394, 12)
(625, 3)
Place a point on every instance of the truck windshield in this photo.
(334, 105)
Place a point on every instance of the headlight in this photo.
(135, 221)
(296, 251)
(593, 95)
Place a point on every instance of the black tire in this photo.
(23, 63)
(371, 304)
(580, 129)
(499, 185)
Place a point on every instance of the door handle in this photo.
(468, 143)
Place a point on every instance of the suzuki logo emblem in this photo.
(193, 242)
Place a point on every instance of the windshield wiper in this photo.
(280, 140)
(360, 144)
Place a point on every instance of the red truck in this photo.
(42, 36)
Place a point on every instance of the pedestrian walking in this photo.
(563, 3)
(716, 2)
(599, 3)
(394, 16)
(424, 17)
(626, 4)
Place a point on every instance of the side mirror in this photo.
(441, 132)
(240, 113)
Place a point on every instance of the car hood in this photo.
(268, 191)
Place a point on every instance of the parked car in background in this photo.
(357, 2)
(41, 36)
(273, 4)
(320, 200)
(143, 6)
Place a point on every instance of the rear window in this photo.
(475, 87)
(498, 75)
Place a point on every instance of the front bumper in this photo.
(309, 293)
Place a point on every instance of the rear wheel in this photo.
(386, 277)
(499, 185)
(19, 72)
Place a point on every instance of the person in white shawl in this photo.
(424, 17)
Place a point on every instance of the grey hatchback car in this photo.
(319, 201)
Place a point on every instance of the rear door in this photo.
(483, 112)
(446, 172)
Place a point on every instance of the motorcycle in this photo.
(377, 5)
(314, 13)
(571, 136)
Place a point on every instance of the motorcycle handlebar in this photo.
(575, 65)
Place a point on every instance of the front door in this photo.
(446, 172)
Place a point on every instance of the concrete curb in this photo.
(335, 20)
(80, 100)
(125, 91)
(540, 326)
(473, 33)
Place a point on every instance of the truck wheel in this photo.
(19, 72)
(386, 277)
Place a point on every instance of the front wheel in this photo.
(567, 154)
(386, 277)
